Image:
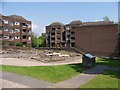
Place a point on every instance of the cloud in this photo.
(38, 29)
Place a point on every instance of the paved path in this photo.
(74, 82)
(23, 62)
(81, 79)
(23, 80)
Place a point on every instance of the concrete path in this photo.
(25, 62)
(26, 81)
(74, 82)
(81, 79)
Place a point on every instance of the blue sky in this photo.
(44, 13)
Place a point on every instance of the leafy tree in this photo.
(34, 40)
(41, 40)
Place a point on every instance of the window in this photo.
(17, 30)
(6, 37)
(16, 23)
(67, 28)
(5, 21)
(10, 23)
(29, 38)
(11, 37)
(5, 28)
(11, 30)
(1, 35)
(0, 22)
(28, 25)
(17, 37)
(53, 28)
(29, 32)
(57, 28)
(0, 28)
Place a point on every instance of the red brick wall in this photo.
(97, 40)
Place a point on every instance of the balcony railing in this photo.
(52, 40)
(72, 40)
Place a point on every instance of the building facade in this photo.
(97, 38)
(15, 29)
(55, 35)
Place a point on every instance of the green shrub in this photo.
(19, 44)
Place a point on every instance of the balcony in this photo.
(59, 41)
(52, 35)
(24, 27)
(72, 40)
(24, 40)
(52, 41)
(72, 35)
(24, 33)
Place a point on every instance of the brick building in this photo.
(15, 29)
(55, 35)
(97, 38)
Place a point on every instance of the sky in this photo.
(44, 13)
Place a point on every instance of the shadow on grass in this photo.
(111, 73)
(108, 62)
(78, 67)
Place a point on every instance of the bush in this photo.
(19, 44)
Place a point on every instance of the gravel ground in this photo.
(25, 62)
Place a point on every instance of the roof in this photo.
(76, 22)
(17, 17)
(56, 23)
(97, 23)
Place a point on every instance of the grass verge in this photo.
(109, 79)
(47, 73)
(108, 62)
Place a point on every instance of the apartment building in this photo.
(98, 38)
(60, 35)
(15, 29)
(55, 35)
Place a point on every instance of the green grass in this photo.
(109, 79)
(47, 73)
(108, 62)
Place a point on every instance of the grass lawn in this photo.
(47, 73)
(109, 79)
(108, 62)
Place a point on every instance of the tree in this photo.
(41, 40)
(34, 40)
(106, 18)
